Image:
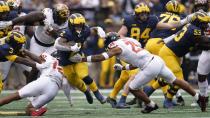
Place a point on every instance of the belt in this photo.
(147, 63)
(42, 44)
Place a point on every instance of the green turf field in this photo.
(60, 108)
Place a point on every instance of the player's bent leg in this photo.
(170, 78)
(203, 70)
(173, 63)
(124, 77)
(147, 74)
(81, 70)
(9, 99)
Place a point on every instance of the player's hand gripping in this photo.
(76, 58)
(118, 66)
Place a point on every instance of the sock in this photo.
(89, 81)
(203, 87)
(98, 95)
(196, 97)
(93, 87)
(148, 90)
(169, 96)
(117, 87)
(178, 94)
(122, 99)
(151, 104)
(165, 89)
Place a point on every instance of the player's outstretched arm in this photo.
(32, 56)
(27, 62)
(29, 19)
(97, 58)
(126, 67)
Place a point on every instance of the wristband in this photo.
(89, 58)
(127, 67)
(106, 56)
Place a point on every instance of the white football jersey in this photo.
(53, 70)
(132, 52)
(42, 31)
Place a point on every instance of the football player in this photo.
(191, 36)
(130, 51)
(203, 68)
(51, 23)
(139, 26)
(15, 7)
(45, 88)
(172, 15)
(10, 47)
(68, 44)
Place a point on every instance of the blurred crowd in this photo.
(107, 14)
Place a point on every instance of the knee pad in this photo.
(87, 80)
(162, 82)
(173, 89)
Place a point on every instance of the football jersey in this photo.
(70, 35)
(185, 40)
(140, 30)
(132, 52)
(42, 33)
(53, 69)
(166, 17)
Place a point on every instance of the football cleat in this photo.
(149, 109)
(180, 101)
(39, 112)
(112, 102)
(122, 106)
(168, 104)
(202, 102)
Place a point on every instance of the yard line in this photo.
(77, 91)
(129, 96)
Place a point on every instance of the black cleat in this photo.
(149, 109)
(132, 102)
(122, 106)
(111, 101)
(202, 102)
(180, 101)
(89, 97)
